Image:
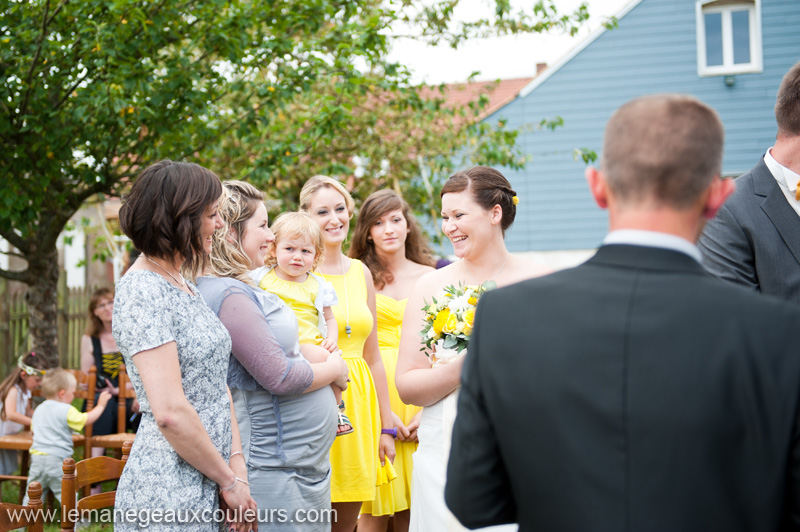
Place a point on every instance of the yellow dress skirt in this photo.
(396, 495)
(354, 456)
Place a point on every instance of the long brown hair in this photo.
(376, 205)
(15, 377)
(94, 325)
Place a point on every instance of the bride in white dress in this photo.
(478, 205)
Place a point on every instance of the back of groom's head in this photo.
(787, 105)
(662, 150)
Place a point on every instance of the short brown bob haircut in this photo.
(163, 213)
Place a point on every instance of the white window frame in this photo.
(756, 64)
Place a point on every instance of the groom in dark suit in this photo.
(755, 238)
(635, 392)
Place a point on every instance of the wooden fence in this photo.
(14, 337)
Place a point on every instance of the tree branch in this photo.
(15, 240)
(14, 276)
(71, 89)
(55, 12)
(24, 106)
(12, 254)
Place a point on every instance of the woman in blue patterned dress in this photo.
(176, 352)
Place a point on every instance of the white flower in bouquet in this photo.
(460, 303)
(448, 320)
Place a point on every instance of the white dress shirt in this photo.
(787, 180)
(653, 239)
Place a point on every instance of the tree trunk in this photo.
(42, 301)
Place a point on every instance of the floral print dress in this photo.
(158, 489)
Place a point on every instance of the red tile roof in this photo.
(500, 93)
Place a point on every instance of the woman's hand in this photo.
(113, 390)
(402, 430)
(386, 449)
(240, 508)
(412, 427)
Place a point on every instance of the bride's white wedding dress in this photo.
(428, 510)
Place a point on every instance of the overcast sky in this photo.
(505, 57)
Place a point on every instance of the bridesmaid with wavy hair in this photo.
(388, 240)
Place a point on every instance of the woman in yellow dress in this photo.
(388, 240)
(358, 458)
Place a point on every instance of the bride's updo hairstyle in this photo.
(488, 187)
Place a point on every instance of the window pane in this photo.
(741, 36)
(713, 22)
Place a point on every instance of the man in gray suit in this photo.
(755, 238)
(635, 392)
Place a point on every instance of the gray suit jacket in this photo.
(755, 238)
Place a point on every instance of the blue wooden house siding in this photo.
(653, 50)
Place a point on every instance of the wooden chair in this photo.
(31, 516)
(22, 441)
(79, 478)
(114, 441)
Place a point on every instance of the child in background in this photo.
(15, 409)
(296, 251)
(52, 424)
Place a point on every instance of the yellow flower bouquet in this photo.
(449, 318)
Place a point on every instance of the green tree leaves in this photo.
(93, 90)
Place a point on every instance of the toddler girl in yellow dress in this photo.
(296, 251)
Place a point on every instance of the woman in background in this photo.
(388, 240)
(99, 349)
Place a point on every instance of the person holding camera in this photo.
(99, 349)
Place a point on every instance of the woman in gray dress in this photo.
(176, 352)
(284, 406)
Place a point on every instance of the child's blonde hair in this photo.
(56, 380)
(296, 225)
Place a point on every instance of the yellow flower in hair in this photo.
(515, 200)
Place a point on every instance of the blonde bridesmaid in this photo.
(360, 459)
